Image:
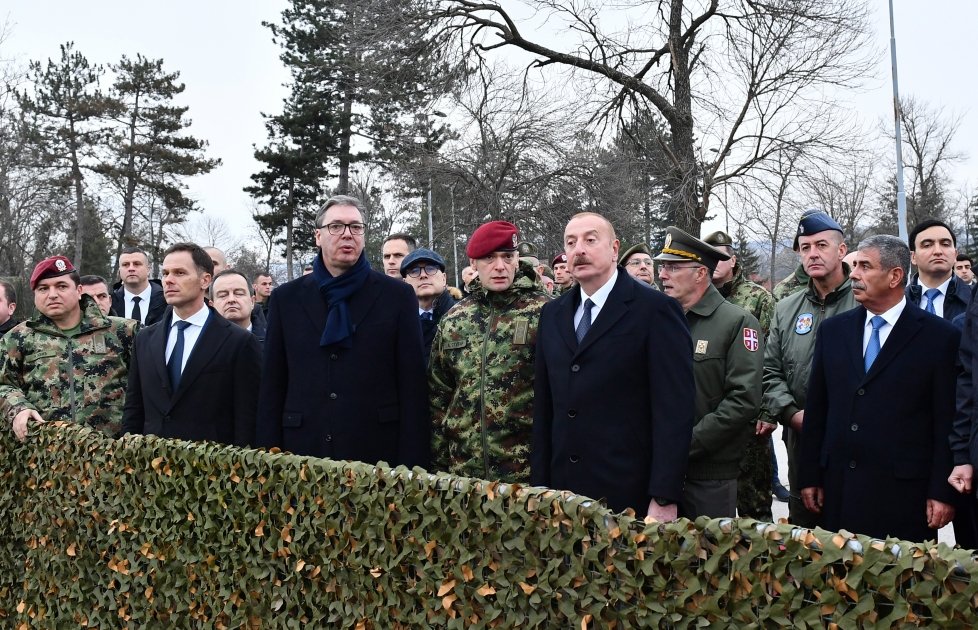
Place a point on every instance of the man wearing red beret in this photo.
(71, 362)
(563, 279)
(481, 370)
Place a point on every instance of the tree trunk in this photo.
(685, 172)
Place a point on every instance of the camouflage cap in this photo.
(51, 267)
(682, 246)
(641, 248)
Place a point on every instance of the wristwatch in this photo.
(663, 502)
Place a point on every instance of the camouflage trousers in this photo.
(754, 482)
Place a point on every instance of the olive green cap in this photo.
(634, 249)
(681, 246)
(719, 239)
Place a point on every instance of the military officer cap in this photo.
(495, 236)
(421, 255)
(50, 267)
(719, 239)
(813, 222)
(559, 258)
(641, 248)
(680, 246)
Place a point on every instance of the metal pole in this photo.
(431, 224)
(901, 192)
(454, 237)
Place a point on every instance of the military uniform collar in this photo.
(707, 304)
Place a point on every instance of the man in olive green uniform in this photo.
(480, 376)
(637, 261)
(791, 340)
(70, 363)
(756, 479)
(728, 360)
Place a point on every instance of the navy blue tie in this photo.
(136, 312)
(585, 324)
(873, 348)
(931, 295)
(427, 316)
(175, 366)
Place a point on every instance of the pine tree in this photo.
(747, 259)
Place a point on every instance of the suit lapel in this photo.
(313, 303)
(565, 318)
(854, 340)
(157, 347)
(211, 338)
(906, 327)
(361, 302)
(614, 309)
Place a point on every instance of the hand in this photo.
(20, 422)
(764, 428)
(814, 499)
(939, 514)
(960, 478)
(663, 513)
(797, 420)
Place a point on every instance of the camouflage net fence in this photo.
(151, 533)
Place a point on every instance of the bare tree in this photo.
(746, 76)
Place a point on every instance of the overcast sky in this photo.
(232, 72)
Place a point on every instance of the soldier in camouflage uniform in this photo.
(482, 362)
(795, 282)
(756, 475)
(70, 363)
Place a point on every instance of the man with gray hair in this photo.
(875, 455)
(344, 373)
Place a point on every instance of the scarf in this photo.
(336, 290)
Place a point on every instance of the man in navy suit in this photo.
(137, 298)
(344, 374)
(194, 375)
(875, 456)
(614, 389)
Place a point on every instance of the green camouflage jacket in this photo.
(795, 282)
(80, 378)
(751, 297)
(481, 382)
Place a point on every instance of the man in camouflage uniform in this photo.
(793, 283)
(756, 478)
(482, 361)
(69, 363)
(728, 352)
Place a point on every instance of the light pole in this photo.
(427, 126)
(901, 192)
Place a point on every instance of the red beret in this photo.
(51, 267)
(495, 236)
(559, 258)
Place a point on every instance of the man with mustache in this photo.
(791, 340)
(481, 371)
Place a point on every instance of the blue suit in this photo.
(613, 415)
(877, 442)
(368, 402)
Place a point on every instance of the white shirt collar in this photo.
(197, 319)
(601, 295)
(143, 297)
(891, 316)
(941, 287)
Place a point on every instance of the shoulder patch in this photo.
(804, 323)
(751, 340)
(701, 345)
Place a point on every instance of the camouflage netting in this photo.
(150, 533)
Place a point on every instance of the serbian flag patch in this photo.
(751, 341)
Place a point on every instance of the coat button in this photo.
(854, 427)
(575, 368)
(574, 459)
(572, 413)
(332, 395)
(852, 464)
(860, 391)
(329, 438)
(333, 357)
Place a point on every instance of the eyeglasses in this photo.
(674, 267)
(429, 270)
(356, 229)
(638, 262)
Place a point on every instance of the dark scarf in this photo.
(336, 290)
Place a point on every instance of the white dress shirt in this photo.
(143, 302)
(891, 316)
(939, 300)
(190, 335)
(599, 298)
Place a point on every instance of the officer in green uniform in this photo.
(728, 349)
(68, 363)
(756, 479)
(791, 340)
(480, 376)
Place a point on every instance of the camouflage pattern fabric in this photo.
(80, 379)
(797, 281)
(756, 475)
(481, 381)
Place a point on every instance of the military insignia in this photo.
(521, 329)
(514, 241)
(803, 325)
(801, 229)
(98, 344)
(668, 242)
(751, 341)
(701, 345)
(456, 344)
(60, 265)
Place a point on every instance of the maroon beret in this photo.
(50, 267)
(495, 236)
(559, 258)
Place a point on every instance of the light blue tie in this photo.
(585, 324)
(873, 348)
(931, 295)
